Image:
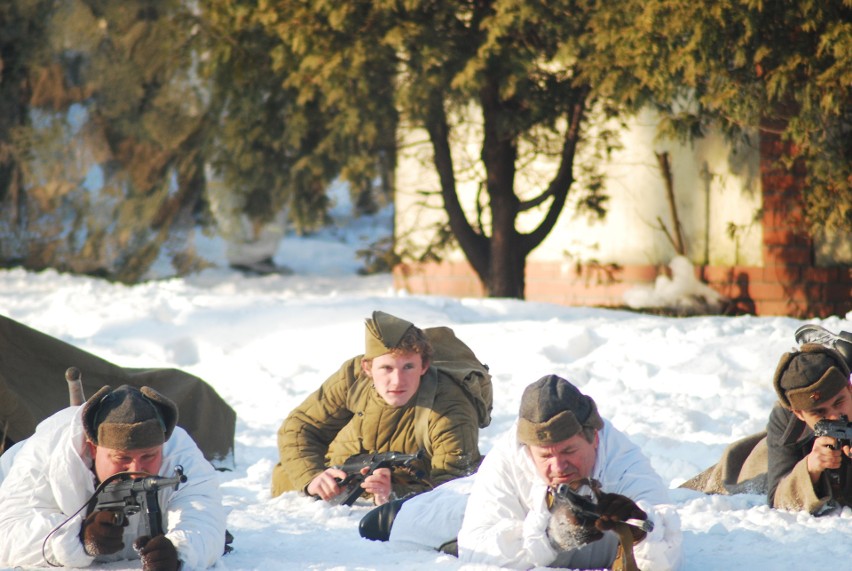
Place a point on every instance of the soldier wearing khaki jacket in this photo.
(369, 406)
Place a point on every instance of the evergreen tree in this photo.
(782, 68)
(22, 35)
(310, 135)
(114, 121)
(426, 62)
(538, 71)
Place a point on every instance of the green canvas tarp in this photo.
(33, 386)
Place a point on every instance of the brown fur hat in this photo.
(810, 376)
(129, 418)
(383, 334)
(553, 410)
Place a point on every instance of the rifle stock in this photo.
(586, 510)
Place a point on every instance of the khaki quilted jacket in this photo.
(346, 416)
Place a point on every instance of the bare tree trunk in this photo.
(676, 234)
(507, 260)
(506, 278)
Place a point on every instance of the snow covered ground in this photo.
(682, 388)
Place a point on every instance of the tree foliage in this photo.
(426, 62)
(108, 141)
(117, 118)
(782, 68)
(536, 70)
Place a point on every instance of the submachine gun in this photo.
(353, 466)
(130, 495)
(581, 500)
(585, 509)
(841, 431)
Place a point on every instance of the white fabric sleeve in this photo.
(28, 501)
(499, 528)
(661, 549)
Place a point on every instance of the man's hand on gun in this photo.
(157, 553)
(370, 473)
(832, 447)
(116, 499)
(379, 484)
(615, 509)
(326, 485)
(102, 532)
(825, 455)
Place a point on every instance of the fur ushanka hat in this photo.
(810, 376)
(129, 418)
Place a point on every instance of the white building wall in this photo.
(717, 188)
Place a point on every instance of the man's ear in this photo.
(799, 415)
(426, 364)
(366, 365)
(92, 447)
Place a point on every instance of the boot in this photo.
(842, 342)
(376, 525)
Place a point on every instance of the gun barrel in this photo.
(158, 482)
(645, 525)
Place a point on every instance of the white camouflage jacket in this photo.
(505, 515)
(50, 479)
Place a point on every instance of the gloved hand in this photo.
(615, 508)
(157, 553)
(102, 532)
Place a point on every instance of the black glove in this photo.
(102, 532)
(157, 553)
(615, 508)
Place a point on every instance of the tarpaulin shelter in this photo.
(33, 386)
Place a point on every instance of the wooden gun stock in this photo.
(75, 386)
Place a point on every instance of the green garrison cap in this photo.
(383, 333)
(553, 410)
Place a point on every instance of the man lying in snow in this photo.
(506, 514)
(794, 466)
(404, 394)
(53, 475)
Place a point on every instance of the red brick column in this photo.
(792, 284)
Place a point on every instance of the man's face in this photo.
(396, 376)
(841, 403)
(109, 462)
(565, 461)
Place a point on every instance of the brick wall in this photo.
(778, 290)
(788, 283)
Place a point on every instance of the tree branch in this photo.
(564, 177)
